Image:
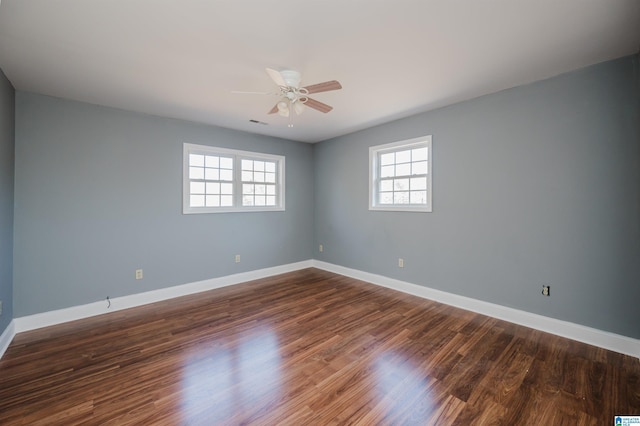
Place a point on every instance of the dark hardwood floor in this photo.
(309, 347)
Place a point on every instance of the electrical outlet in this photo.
(320, 249)
(237, 258)
(401, 263)
(546, 290)
(139, 274)
(0, 308)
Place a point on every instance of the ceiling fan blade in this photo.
(312, 103)
(276, 77)
(274, 109)
(324, 87)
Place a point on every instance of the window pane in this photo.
(196, 160)
(213, 201)
(419, 168)
(226, 188)
(403, 169)
(212, 174)
(386, 159)
(226, 174)
(418, 183)
(271, 190)
(260, 200)
(212, 161)
(247, 188)
(213, 188)
(196, 173)
(418, 197)
(403, 157)
(197, 188)
(271, 200)
(247, 165)
(386, 185)
(258, 166)
(247, 200)
(419, 154)
(226, 163)
(247, 176)
(260, 189)
(196, 201)
(270, 177)
(387, 171)
(401, 184)
(258, 176)
(386, 198)
(401, 198)
(270, 167)
(226, 200)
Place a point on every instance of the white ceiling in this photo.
(394, 58)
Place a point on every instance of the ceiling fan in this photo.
(294, 98)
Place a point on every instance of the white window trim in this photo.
(237, 155)
(374, 151)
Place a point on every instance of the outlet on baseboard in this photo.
(400, 263)
(320, 248)
(546, 290)
(237, 258)
(139, 274)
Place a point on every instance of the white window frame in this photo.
(237, 156)
(374, 174)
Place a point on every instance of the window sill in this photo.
(233, 210)
(401, 209)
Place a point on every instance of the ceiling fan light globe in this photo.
(283, 112)
(282, 106)
(298, 107)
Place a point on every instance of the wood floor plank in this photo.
(308, 347)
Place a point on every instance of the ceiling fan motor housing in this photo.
(291, 77)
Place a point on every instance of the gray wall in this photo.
(534, 185)
(98, 194)
(7, 97)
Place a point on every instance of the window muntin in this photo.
(400, 176)
(225, 180)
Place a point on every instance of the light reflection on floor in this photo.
(403, 388)
(239, 376)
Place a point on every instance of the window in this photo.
(400, 176)
(225, 180)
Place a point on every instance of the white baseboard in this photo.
(592, 336)
(45, 319)
(603, 339)
(6, 337)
